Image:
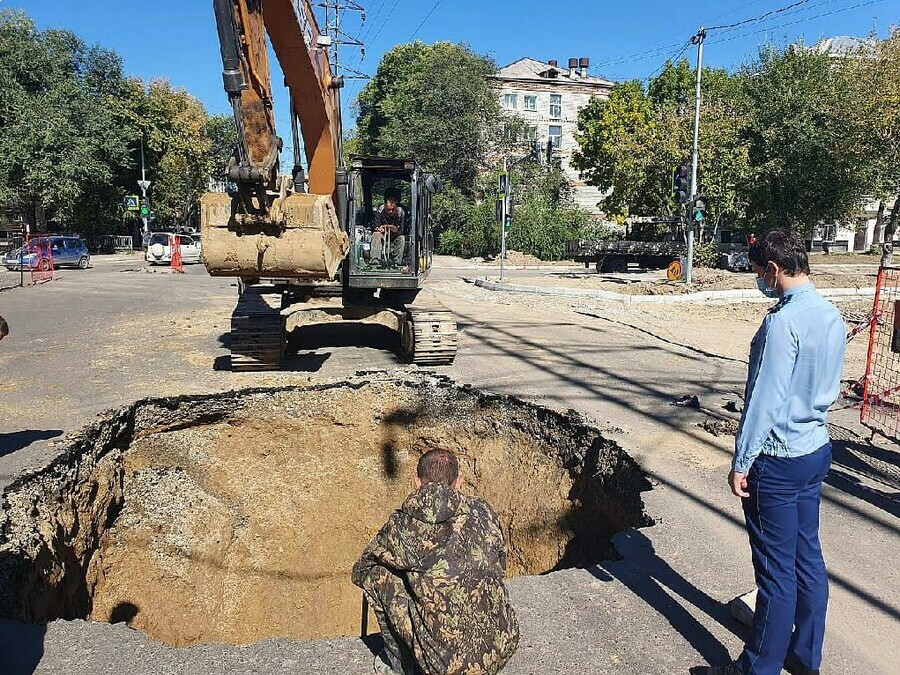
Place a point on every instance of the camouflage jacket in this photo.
(448, 548)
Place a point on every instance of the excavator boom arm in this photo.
(268, 227)
(291, 25)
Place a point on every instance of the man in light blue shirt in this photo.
(782, 454)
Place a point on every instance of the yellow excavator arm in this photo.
(268, 226)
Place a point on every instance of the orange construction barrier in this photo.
(881, 387)
(177, 264)
(41, 265)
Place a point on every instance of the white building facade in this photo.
(548, 99)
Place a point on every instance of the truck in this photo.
(619, 255)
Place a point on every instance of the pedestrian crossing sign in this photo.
(132, 203)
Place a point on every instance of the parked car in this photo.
(64, 250)
(159, 247)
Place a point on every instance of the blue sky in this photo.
(176, 39)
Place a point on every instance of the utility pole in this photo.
(337, 37)
(697, 40)
(503, 196)
(143, 183)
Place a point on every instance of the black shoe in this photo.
(794, 667)
(730, 669)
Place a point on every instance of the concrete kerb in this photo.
(719, 297)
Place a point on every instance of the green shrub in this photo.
(706, 255)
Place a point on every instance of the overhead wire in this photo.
(772, 12)
(384, 23)
(805, 9)
(671, 59)
(767, 29)
(371, 22)
(739, 28)
(427, 16)
(654, 48)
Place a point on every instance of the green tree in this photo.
(222, 135)
(811, 157)
(61, 142)
(631, 143)
(675, 84)
(433, 103)
(876, 76)
(617, 149)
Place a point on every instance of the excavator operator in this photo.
(390, 229)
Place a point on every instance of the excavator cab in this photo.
(392, 260)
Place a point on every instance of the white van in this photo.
(159, 248)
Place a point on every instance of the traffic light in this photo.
(698, 209)
(145, 208)
(681, 184)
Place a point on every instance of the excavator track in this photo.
(257, 331)
(430, 335)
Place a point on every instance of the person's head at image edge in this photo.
(780, 261)
(438, 466)
(4, 328)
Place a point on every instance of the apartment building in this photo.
(548, 98)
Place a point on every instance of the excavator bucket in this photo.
(312, 244)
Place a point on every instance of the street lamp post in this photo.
(697, 40)
(144, 184)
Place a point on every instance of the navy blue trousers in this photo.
(782, 515)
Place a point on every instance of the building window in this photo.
(510, 101)
(531, 103)
(529, 133)
(555, 133)
(555, 106)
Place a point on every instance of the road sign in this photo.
(675, 271)
(132, 203)
(143, 184)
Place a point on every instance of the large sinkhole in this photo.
(235, 517)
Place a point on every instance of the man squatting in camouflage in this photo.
(434, 577)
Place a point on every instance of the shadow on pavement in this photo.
(855, 463)
(654, 581)
(17, 440)
(21, 647)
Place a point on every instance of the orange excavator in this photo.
(312, 247)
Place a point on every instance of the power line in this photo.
(773, 12)
(655, 48)
(372, 21)
(427, 16)
(671, 59)
(642, 55)
(793, 23)
(792, 9)
(796, 11)
(384, 23)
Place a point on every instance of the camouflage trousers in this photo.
(390, 601)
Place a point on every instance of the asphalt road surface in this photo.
(99, 338)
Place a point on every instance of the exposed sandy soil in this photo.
(703, 280)
(844, 259)
(246, 529)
